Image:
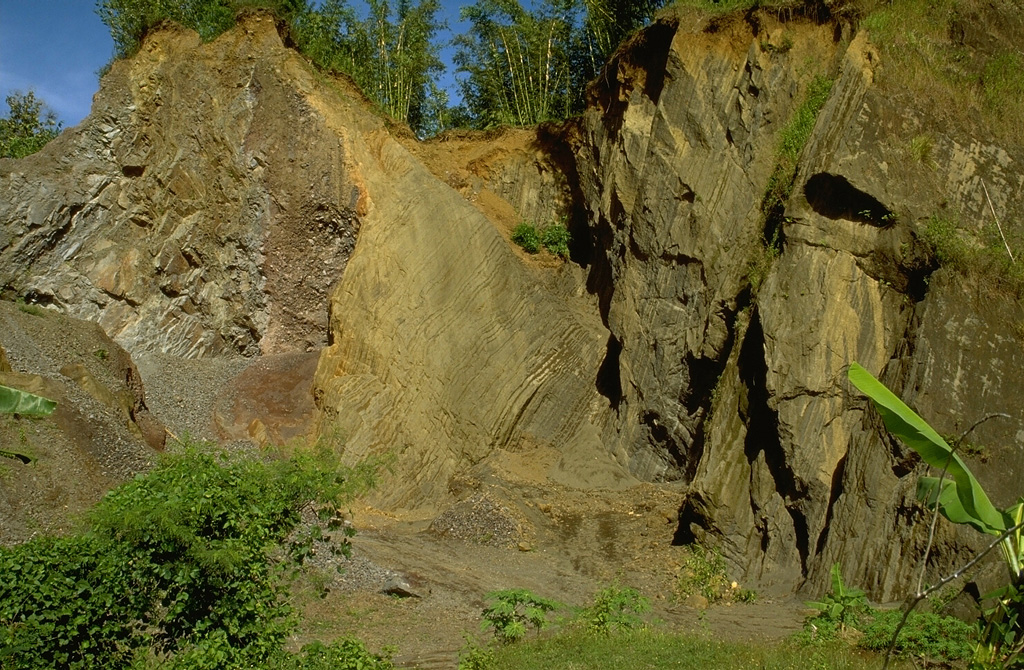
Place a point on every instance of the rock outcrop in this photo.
(223, 198)
(201, 209)
(740, 395)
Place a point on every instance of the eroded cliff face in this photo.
(201, 209)
(218, 192)
(741, 394)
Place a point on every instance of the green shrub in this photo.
(615, 608)
(475, 656)
(527, 236)
(556, 238)
(185, 564)
(345, 654)
(513, 611)
(703, 573)
(925, 635)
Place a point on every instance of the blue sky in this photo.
(56, 47)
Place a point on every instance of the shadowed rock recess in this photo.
(224, 199)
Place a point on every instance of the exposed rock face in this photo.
(743, 398)
(215, 195)
(447, 347)
(202, 208)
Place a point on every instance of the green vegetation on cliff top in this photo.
(524, 63)
(28, 126)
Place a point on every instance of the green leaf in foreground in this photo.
(970, 504)
(13, 401)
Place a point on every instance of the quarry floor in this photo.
(416, 581)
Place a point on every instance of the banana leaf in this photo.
(13, 401)
(962, 500)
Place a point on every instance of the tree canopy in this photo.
(523, 61)
(28, 126)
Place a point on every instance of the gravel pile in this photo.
(41, 342)
(482, 520)
(182, 392)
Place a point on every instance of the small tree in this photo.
(28, 126)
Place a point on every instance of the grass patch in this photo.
(792, 139)
(641, 649)
(927, 636)
(30, 308)
(923, 59)
(711, 7)
(980, 255)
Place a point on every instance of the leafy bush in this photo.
(614, 608)
(556, 238)
(527, 236)
(70, 602)
(475, 656)
(925, 635)
(345, 654)
(184, 564)
(703, 573)
(513, 611)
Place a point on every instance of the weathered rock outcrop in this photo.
(217, 192)
(447, 347)
(202, 208)
(743, 397)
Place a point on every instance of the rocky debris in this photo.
(96, 438)
(401, 588)
(480, 519)
(184, 392)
